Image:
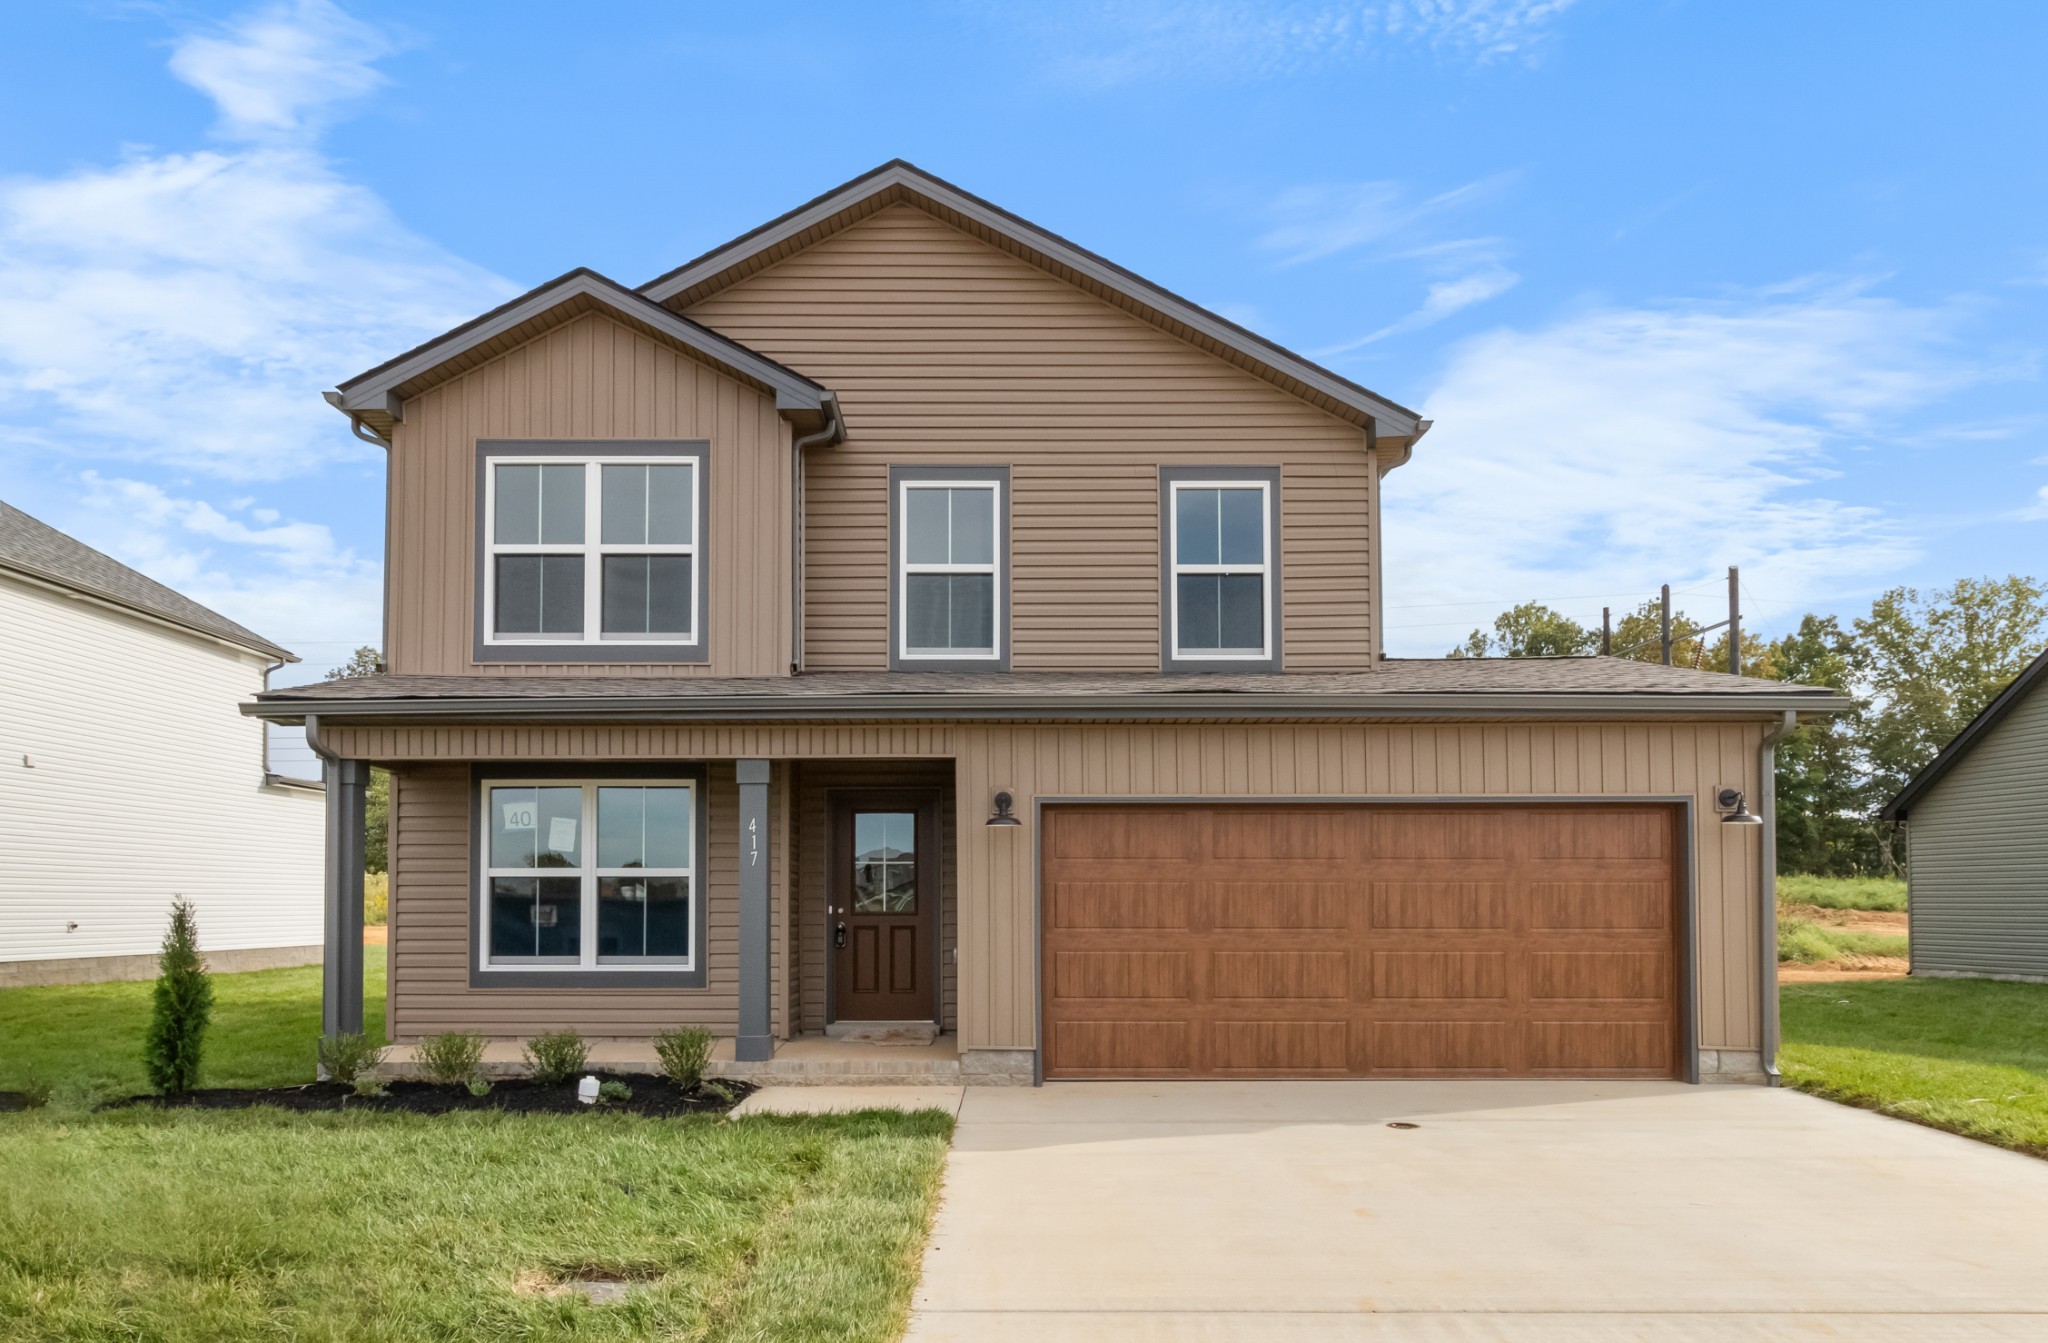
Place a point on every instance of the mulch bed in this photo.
(653, 1096)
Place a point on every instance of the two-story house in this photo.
(900, 614)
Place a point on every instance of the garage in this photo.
(1362, 940)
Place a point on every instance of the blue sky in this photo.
(1684, 284)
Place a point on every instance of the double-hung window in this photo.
(950, 548)
(1221, 569)
(593, 551)
(592, 876)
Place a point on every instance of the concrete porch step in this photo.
(884, 1032)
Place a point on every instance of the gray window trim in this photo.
(902, 475)
(697, 449)
(1269, 476)
(700, 922)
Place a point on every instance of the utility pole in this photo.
(1734, 621)
(1606, 632)
(1664, 625)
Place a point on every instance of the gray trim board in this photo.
(700, 893)
(755, 1040)
(1688, 967)
(1268, 476)
(1989, 717)
(898, 477)
(374, 391)
(696, 449)
(341, 974)
(1389, 419)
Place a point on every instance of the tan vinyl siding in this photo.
(815, 780)
(591, 378)
(432, 898)
(997, 928)
(1979, 870)
(944, 349)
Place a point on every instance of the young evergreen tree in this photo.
(181, 1007)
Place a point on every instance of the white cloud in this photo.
(1444, 298)
(1313, 222)
(282, 70)
(1106, 45)
(1624, 448)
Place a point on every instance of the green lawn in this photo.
(183, 1226)
(85, 1040)
(1884, 893)
(1968, 1055)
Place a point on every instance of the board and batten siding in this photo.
(946, 350)
(590, 378)
(994, 867)
(1978, 872)
(433, 890)
(998, 938)
(128, 777)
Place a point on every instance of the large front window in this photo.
(948, 574)
(595, 551)
(589, 875)
(1221, 585)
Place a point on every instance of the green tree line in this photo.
(1919, 667)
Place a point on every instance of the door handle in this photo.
(839, 934)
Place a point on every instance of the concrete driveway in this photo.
(1559, 1212)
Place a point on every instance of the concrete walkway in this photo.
(1538, 1212)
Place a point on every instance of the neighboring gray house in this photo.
(1977, 832)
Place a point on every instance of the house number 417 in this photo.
(753, 842)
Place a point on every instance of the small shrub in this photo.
(376, 897)
(554, 1057)
(370, 1085)
(479, 1086)
(684, 1054)
(613, 1090)
(718, 1089)
(452, 1058)
(181, 1006)
(350, 1057)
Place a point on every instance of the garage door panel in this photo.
(1312, 905)
(1493, 940)
(1279, 1047)
(1425, 975)
(1424, 905)
(1599, 975)
(1121, 904)
(1593, 905)
(1122, 1048)
(1279, 974)
(1436, 1046)
(1091, 975)
(1614, 1047)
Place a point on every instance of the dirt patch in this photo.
(376, 934)
(656, 1097)
(1891, 923)
(1848, 969)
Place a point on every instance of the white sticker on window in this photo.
(519, 815)
(562, 834)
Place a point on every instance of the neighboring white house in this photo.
(128, 776)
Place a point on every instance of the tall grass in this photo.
(1879, 893)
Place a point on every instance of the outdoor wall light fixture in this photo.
(1003, 817)
(1738, 814)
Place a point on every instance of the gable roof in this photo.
(375, 398)
(1986, 721)
(40, 551)
(898, 182)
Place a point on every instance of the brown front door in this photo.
(1478, 940)
(884, 907)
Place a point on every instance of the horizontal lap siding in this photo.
(1980, 855)
(946, 350)
(997, 931)
(397, 744)
(590, 378)
(431, 900)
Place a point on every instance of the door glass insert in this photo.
(884, 862)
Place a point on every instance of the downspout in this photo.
(1767, 911)
(276, 666)
(833, 431)
(313, 742)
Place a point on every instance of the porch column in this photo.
(754, 1043)
(341, 975)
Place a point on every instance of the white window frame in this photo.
(592, 550)
(1264, 569)
(905, 568)
(586, 961)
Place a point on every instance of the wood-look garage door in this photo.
(1361, 941)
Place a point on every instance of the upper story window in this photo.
(592, 550)
(1220, 568)
(949, 591)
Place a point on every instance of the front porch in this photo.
(806, 1061)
